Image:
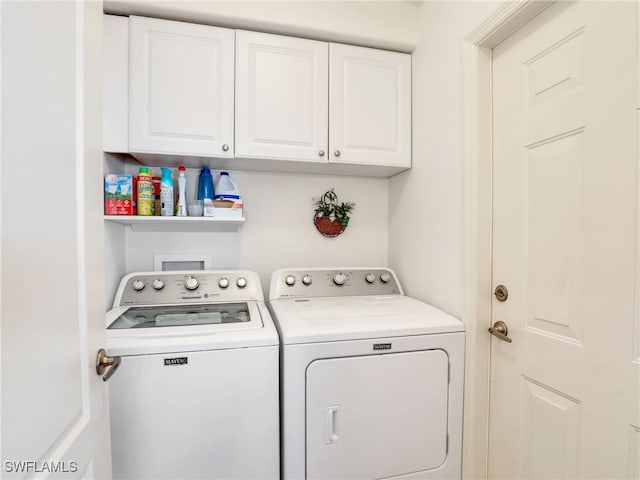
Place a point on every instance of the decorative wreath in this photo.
(331, 216)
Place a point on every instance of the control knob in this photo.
(370, 278)
(158, 284)
(385, 277)
(138, 285)
(223, 282)
(339, 278)
(191, 283)
(241, 282)
(290, 280)
(307, 280)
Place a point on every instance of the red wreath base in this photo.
(327, 227)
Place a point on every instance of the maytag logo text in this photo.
(176, 361)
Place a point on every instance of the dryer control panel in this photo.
(334, 282)
(175, 288)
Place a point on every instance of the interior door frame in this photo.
(478, 215)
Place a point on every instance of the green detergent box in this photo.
(118, 195)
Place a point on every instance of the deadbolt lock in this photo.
(501, 293)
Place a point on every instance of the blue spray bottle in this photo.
(166, 193)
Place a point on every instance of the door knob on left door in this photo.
(501, 331)
(104, 362)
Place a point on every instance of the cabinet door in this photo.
(370, 106)
(181, 88)
(281, 97)
(115, 83)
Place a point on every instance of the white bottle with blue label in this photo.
(166, 193)
(226, 188)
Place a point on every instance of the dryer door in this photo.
(377, 416)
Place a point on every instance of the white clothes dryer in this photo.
(197, 393)
(371, 379)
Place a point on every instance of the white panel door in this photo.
(181, 88)
(281, 97)
(376, 416)
(564, 394)
(369, 106)
(54, 406)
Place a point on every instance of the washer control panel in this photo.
(170, 288)
(310, 283)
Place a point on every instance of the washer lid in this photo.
(349, 318)
(148, 330)
(183, 315)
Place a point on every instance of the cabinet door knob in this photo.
(225, 147)
(321, 153)
(336, 153)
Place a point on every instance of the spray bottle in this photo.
(166, 193)
(181, 206)
(145, 191)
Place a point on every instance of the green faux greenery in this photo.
(329, 206)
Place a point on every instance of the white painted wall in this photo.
(279, 230)
(425, 210)
(115, 266)
(390, 24)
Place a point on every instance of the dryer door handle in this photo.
(331, 424)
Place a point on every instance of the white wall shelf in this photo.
(177, 224)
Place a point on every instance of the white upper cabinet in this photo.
(181, 80)
(115, 84)
(309, 101)
(201, 95)
(281, 97)
(369, 107)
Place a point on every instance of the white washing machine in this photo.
(372, 380)
(197, 393)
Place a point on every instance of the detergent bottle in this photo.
(226, 188)
(205, 192)
(205, 185)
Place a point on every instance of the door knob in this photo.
(105, 363)
(500, 330)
